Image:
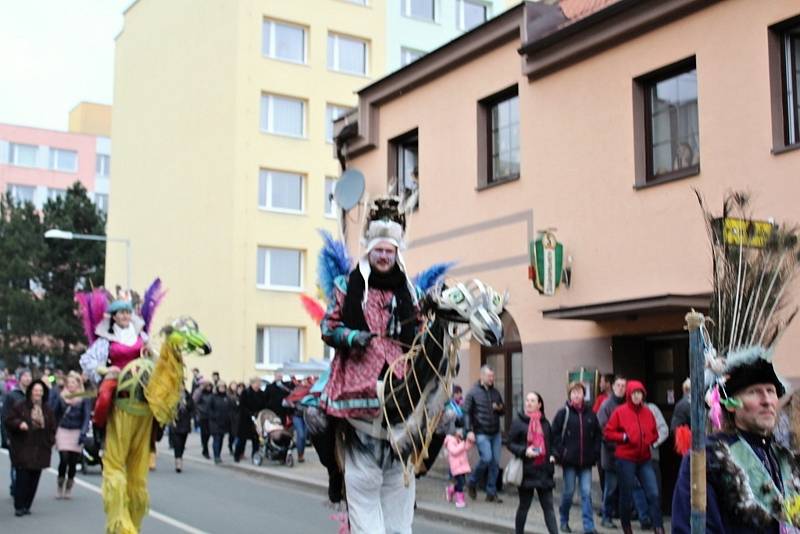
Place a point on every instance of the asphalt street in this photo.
(202, 499)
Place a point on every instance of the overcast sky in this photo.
(55, 54)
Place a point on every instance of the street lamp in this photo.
(55, 233)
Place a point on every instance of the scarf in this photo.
(402, 321)
(536, 437)
(37, 416)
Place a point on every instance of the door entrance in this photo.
(661, 363)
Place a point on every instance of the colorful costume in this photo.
(145, 390)
(753, 483)
(393, 370)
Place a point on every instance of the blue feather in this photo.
(432, 275)
(333, 261)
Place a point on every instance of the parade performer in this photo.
(753, 483)
(141, 391)
(396, 357)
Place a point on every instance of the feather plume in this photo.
(152, 298)
(313, 307)
(92, 306)
(333, 261)
(683, 439)
(432, 275)
(751, 284)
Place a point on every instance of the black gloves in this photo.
(361, 339)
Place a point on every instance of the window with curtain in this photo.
(672, 123)
(505, 139)
(470, 13)
(278, 345)
(103, 164)
(284, 41)
(347, 54)
(281, 191)
(63, 160)
(54, 194)
(283, 115)
(330, 203)
(790, 49)
(21, 193)
(409, 55)
(101, 202)
(279, 268)
(420, 9)
(23, 155)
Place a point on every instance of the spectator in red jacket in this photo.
(633, 428)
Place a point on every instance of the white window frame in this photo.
(54, 160)
(104, 197)
(13, 190)
(404, 50)
(330, 116)
(262, 360)
(460, 13)
(334, 207)
(271, 52)
(271, 287)
(364, 3)
(407, 11)
(104, 162)
(268, 99)
(13, 156)
(268, 173)
(335, 67)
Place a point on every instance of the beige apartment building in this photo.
(599, 122)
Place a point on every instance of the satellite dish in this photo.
(349, 189)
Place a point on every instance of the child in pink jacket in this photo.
(457, 448)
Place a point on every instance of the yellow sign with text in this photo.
(743, 232)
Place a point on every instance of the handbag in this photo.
(512, 474)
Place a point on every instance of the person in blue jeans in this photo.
(576, 439)
(482, 409)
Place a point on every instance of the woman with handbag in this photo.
(530, 442)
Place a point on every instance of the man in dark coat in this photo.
(616, 399)
(752, 482)
(482, 409)
(252, 401)
(24, 379)
(682, 412)
(276, 392)
(576, 446)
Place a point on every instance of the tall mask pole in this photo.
(694, 322)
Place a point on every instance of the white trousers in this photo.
(377, 500)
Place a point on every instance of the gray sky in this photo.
(56, 53)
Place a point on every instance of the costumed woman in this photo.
(371, 322)
(73, 412)
(752, 482)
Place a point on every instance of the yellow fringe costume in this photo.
(145, 390)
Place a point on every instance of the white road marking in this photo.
(180, 525)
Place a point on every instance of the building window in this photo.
(784, 72)
(404, 168)
(470, 13)
(283, 41)
(276, 345)
(280, 268)
(332, 112)
(21, 193)
(330, 204)
(359, 2)
(63, 160)
(103, 165)
(283, 115)
(409, 55)
(328, 353)
(23, 155)
(54, 194)
(420, 9)
(669, 122)
(280, 191)
(498, 137)
(347, 54)
(101, 202)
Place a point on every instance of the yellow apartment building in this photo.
(224, 163)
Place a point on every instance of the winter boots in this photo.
(60, 492)
(459, 498)
(448, 493)
(178, 465)
(68, 488)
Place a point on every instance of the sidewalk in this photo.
(430, 492)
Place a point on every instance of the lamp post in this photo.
(62, 234)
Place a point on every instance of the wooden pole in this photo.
(694, 321)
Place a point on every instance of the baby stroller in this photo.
(276, 442)
(92, 453)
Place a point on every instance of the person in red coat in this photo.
(633, 428)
